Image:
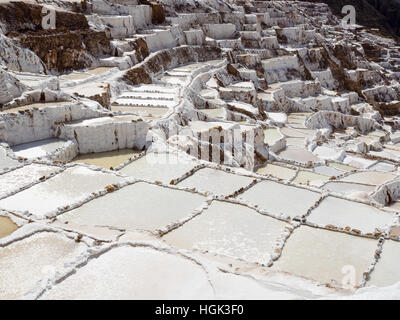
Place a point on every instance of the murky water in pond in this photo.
(277, 171)
(231, 230)
(109, 159)
(343, 213)
(215, 181)
(98, 70)
(279, 199)
(310, 178)
(386, 271)
(7, 226)
(328, 171)
(321, 255)
(75, 76)
(138, 206)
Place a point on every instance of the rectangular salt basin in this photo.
(352, 190)
(25, 262)
(325, 256)
(271, 136)
(280, 199)
(139, 206)
(64, 189)
(129, 273)
(277, 171)
(40, 148)
(310, 178)
(148, 95)
(158, 167)
(343, 213)
(108, 159)
(294, 153)
(231, 230)
(386, 272)
(216, 181)
(14, 180)
(371, 177)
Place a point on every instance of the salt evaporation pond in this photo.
(162, 167)
(25, 262)
(139, 206)
(278, 199)
(323, 255)
(231, 230)
(277, 171)
(7, 226)
(343, 213)
(72, 185)
(106, 277)
(108, 159)
(215, 181)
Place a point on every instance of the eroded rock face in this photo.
(72, 45)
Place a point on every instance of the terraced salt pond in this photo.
(147, 113)
(215, 181)
(40, 148)
(231, 230)
(370, 177)
(279, 199)
(310, 178)
(295, 153)
(40, 105)
(353, 190)
(158, 167)
(106, 277)
(14, 180)
(386, 271)
(25, 262)
(7, 226)
(5, 161)
(108, 159)
(74, 184)
(138, 206)
(344, 213)
(326, 256)
(277, 171)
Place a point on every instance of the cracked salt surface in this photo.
(138, 206)
(231, 230)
